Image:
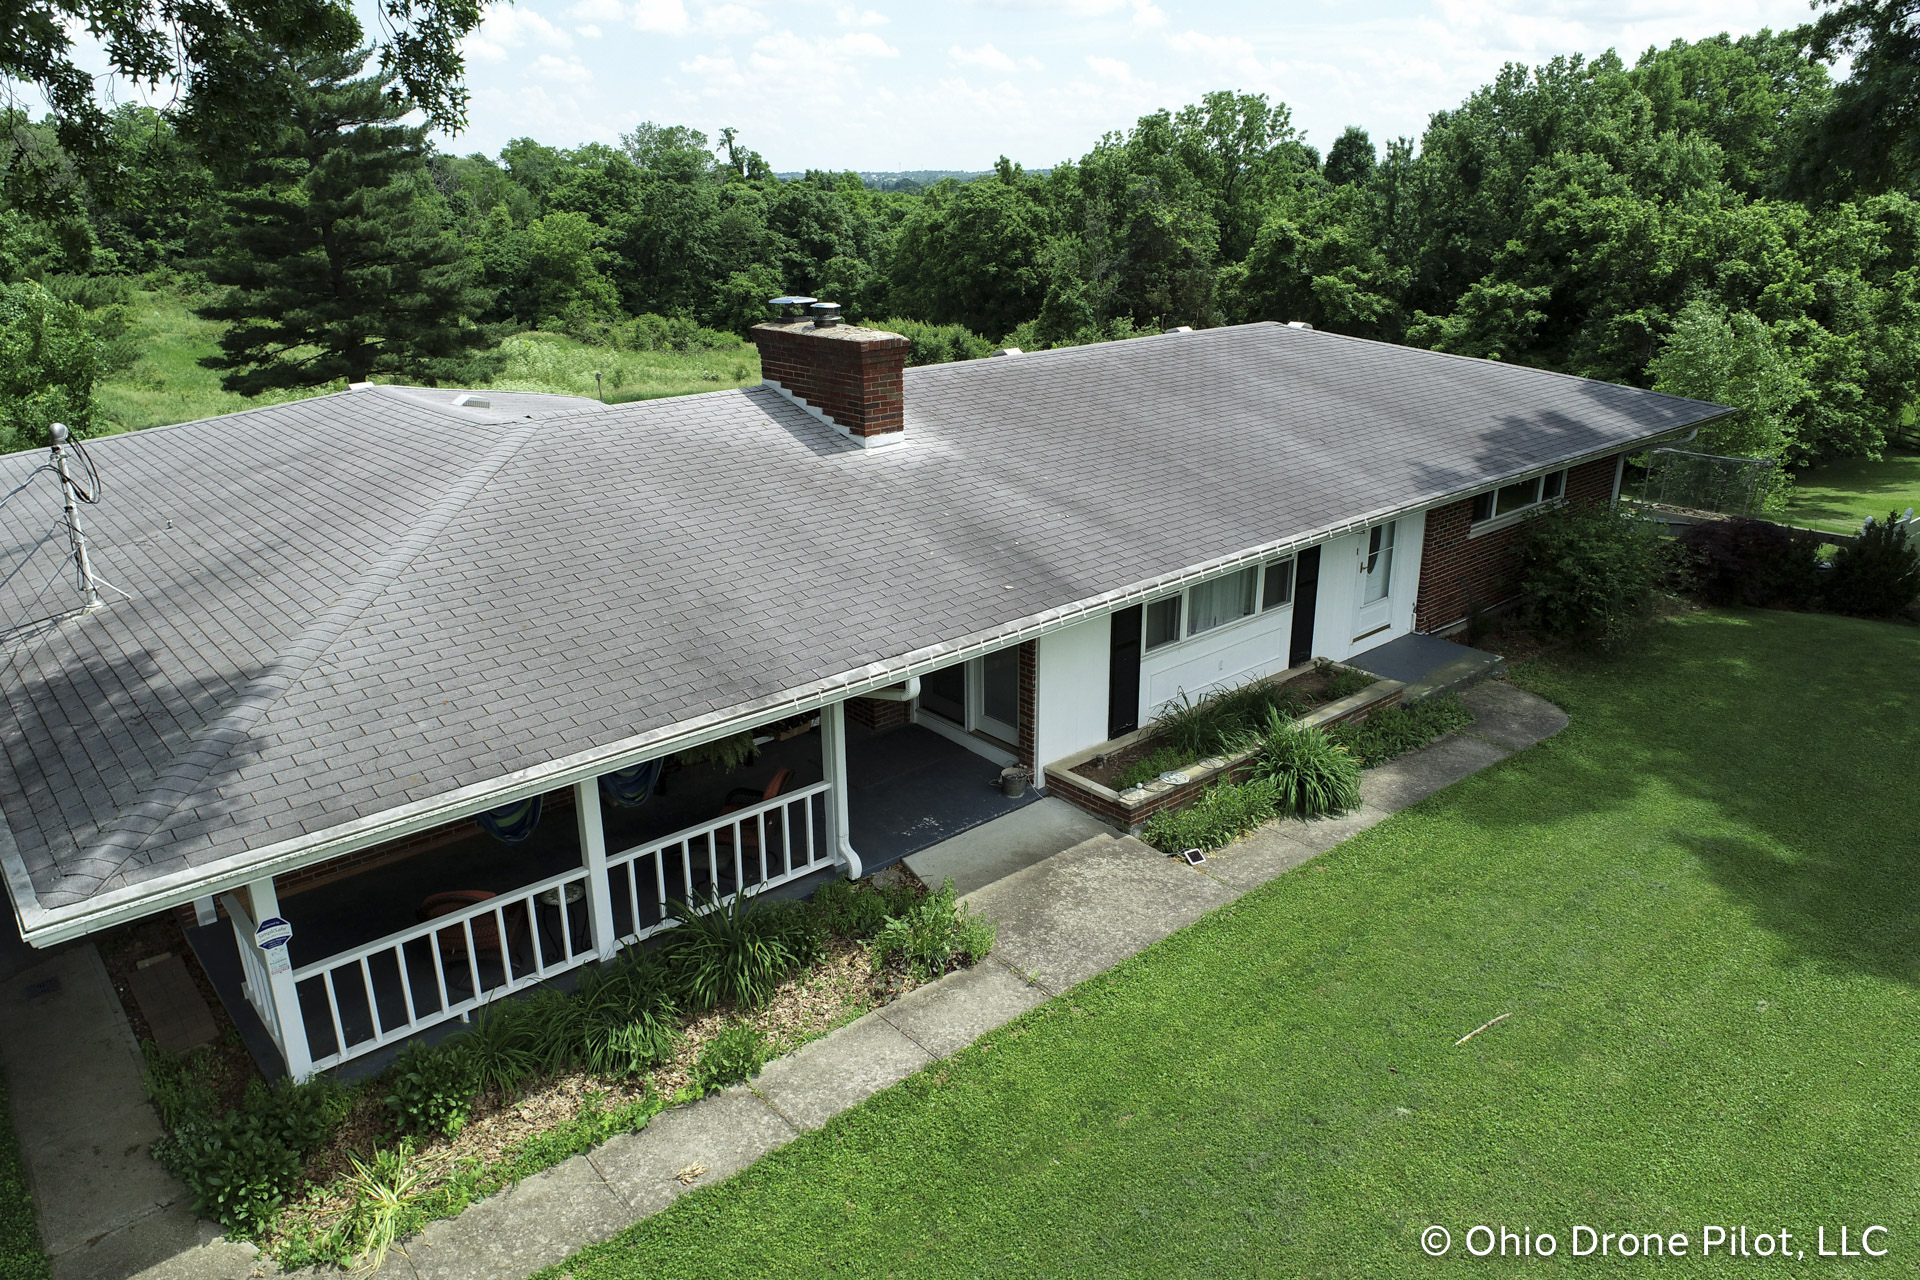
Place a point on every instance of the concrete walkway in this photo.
(1062, 920)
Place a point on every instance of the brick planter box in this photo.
(1130, 809)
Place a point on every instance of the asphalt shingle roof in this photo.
(346, 604)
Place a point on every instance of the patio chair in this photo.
(486, 932)
(738, 799)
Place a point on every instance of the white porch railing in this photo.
(256, 982)
(749, 850)
(446, 967)
(400, 985)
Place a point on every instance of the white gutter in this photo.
(45, 926)
(897, 692)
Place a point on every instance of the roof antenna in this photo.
(76, 535)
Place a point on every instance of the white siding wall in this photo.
(1072, 685)
(1335, 625)
(1229, 655)
(1071, 688)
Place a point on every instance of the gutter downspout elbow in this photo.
(906, 691)
(855, 869)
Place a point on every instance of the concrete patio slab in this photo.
(523, 1229)
(946, 1016)
(1085, 910)
(997, 849)
(174, 1245)
(1513, 718)
(722, 1135)
(835, 1072)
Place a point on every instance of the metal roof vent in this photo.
(825, 314)
(472, 402)
(1181, 328)
(1298, 324)
(792, 306)
(1008, 351)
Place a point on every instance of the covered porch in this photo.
(404, 941)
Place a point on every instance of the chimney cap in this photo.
(789, 300)
(825, 314)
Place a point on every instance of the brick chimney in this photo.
(847, 376)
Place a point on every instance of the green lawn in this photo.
(20, 1256)
(1696, 904)
(167, 383)
(1837, 496)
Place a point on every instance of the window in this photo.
(1379, 568)
(1222, 600)
(1163, 622)
(1512, 498)
(1279, 588)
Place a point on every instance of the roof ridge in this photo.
(215, 741)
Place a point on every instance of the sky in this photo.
(872, 85)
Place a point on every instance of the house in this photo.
(384, 687)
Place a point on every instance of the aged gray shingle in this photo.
(336, 597)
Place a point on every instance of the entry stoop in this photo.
(1428, 665)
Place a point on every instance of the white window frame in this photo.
(1501, 520)
(1184, 633)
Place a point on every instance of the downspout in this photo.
(905, 692)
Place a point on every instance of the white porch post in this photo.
(833, 762)
(286, 1000)
(593, 856)
(203, 911)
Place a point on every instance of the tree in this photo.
(1732, 359)
(47, 366)
(214, 50)
(336, 255)
(1869, 140)
(1350, 159)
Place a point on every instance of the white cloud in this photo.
(733, 20)
(1110, 69)
(561, 70)
(990, 58)
(668, 17)
(1230, 53)
(849, 16)
(1148, 14)
(597, 11)
(504, 30)
(588, 31)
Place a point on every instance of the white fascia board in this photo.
(45, 926)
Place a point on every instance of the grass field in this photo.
(1837, 496)
(20, 1256)
(167, 383)
(1696, 906)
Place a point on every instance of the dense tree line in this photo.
(1718, 219)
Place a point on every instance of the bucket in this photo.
(1014, 780)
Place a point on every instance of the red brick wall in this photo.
(877, 713)
(1457, 571)
(852, 375)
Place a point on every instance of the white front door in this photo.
(1374, 610)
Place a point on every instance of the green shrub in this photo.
(382, 1209)
(623, 1022)
(304, 1116)
(857, 909)
(737, 1053)
(736, 951)
(20, 1254)
(1591, 572)
(1149, 767)
(1394, 731)
(1311, 774)
(934, 935)
(180, 1085)
(1878, 574)
(1343, 682)
(502, 1049)
(1220, 815)
(431, 1089)
(936, 343)
(238, 1168)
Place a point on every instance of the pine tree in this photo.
(336, 251)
